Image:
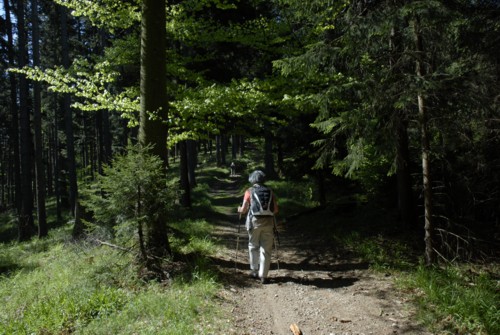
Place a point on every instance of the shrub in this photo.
(133, 190)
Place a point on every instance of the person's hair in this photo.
(257, 177)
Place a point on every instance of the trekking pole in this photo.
(276, 238)
(237, 244)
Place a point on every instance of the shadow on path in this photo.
(303, 259)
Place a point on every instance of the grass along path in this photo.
(320, 287)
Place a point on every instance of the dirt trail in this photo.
(321, 289)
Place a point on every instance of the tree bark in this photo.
(268, 156)
(56, 162)
(14, 126)
(218, 150)
(224, 148)
(68, 117)
(106, 138)
(241, 145)
(192, 160)
(234, 146)
(152, 130)
(430, 255)
(103, 124)
(26, 223)
(280, 157)
(320, 182)
(184, 175)
(406, 203)
(37, 124)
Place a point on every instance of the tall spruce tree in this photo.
(13, 129)
(26, 221)
(37, 125)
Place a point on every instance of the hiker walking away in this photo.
(260, 203)
(233, 170)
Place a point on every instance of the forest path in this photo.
(320, 288)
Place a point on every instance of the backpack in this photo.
(261, 203)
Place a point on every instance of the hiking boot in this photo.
(253, 274)
(264, 280)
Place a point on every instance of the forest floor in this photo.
(318, 287)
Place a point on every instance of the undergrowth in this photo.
(295, 196)
(54, 286)
(457, 298)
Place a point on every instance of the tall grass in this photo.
(456, 299)
(55, 287)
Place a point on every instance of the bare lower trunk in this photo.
(26, 223)
(37, 125)
(184, 175)
(14, 126)
(192, 161)
(153, 130)
(68, 121)
(430, 255)
(406, 205)
(268, 156)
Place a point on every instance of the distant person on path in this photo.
(260, 203)
(233, 169)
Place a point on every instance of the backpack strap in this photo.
(270, 199)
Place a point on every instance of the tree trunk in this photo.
(406, 205)
(100, 141)
(14, 126)
(57, 169)
(218, 150)
(37, 124)
(280, 158)
(320, 182)
(192, 160)
(68, 129)
(224, 149)
(234, 146)
(26, 223)
(184, 175)
(106, 138)
(242, 145)
(103, 124)
(152, 130)
(430, 255)
(268, 156)
(68, 117)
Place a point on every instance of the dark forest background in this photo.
(396, 101)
